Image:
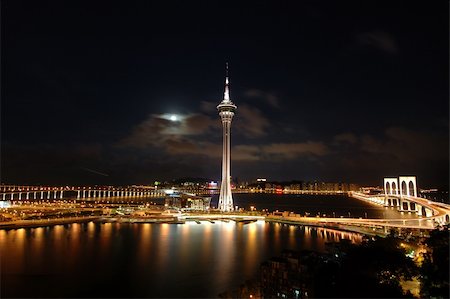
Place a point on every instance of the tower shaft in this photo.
(226, 198)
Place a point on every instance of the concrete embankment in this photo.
(341, 227)
(168, 219)
(45, 222)
(175, 220)
(101, 219)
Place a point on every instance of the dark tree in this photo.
(372, 269)
(435, 267)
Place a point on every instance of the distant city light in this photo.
(5, 204)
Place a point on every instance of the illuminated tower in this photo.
(226, 111)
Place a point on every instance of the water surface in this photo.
(165, 260)
(145, 260)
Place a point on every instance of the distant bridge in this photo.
(401, 194)
(16, 192)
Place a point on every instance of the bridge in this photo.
(401, 193)
(20, 192)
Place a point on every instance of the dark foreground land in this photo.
(391, 267)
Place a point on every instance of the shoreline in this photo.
(167, 220)
(45, 222)
(337, 227)
(212, 218)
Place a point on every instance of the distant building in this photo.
(288, 276)
(354, 187)
(295, 187)
(269, 187)
(372, 190)
(185, 201)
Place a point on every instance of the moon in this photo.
(173, 117)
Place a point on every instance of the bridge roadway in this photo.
(436, 211)
(13, 192)
(365, 226)
(423, 223)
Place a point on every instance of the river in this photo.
(162, 260)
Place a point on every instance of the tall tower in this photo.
(226, 111)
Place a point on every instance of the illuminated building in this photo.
(186, 201)
(226, 111)
(212, 185)
(5, 204)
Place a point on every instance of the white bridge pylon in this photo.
(398, 192)
(390, 186)
(408, 186)
(402, 186)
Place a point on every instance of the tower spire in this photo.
(226, 94)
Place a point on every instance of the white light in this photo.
(173, 117)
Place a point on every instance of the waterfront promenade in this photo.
(365, 226)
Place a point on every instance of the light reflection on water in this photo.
(146, 260)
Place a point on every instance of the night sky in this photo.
(349, 91)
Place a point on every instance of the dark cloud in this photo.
(269, 98)
(208, 107)
(246, 153)
(250, 121)
(345, 138)
(240, 153)
(380, 40)
(191, 134)
(156, 129)
(46, 163)
(347, 156)
(289, 151)
(408, 146)
(398, 151)
(185, 147)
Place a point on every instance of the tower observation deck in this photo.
(226, 111)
